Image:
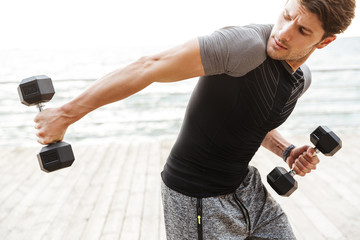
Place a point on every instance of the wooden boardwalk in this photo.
(113, 192)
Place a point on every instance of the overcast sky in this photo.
(115, 23)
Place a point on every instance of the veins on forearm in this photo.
(275, 142)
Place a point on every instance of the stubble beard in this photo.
(287, 54)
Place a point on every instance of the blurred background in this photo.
(75, 42)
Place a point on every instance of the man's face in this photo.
(296, 35)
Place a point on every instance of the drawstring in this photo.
(199, 218)
(240, 205)
(245, 214)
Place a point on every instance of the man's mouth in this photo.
(278, 45)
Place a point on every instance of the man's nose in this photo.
(286, 32)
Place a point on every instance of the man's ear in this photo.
(326, 42)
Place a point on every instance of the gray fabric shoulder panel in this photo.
(307, 77)
(234, 50)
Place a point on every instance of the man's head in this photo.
(335, 15)
(306, 25)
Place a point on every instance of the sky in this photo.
(117, 23)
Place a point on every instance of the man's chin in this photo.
(274, 54)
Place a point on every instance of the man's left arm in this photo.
(301, 159)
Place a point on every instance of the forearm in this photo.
(175, 64)
(113, 87)
(275, 142)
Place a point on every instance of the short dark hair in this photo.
(335, 15)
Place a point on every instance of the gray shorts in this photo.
(250, 212)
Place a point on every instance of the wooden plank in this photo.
(27, 186)
(300, 222)
(20, 219)
(100, 212)
(80, 176)
(35, 218)
(133, 214)
(13, 176)
(70, 219)
(16, 172)
(120, 199)
(11, 179)
(58, 193)
(151, 218)
(8, 161)
(318, 219)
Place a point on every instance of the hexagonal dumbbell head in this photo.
(325, 140)
(56, 156)
(282, 181)
(35, 90)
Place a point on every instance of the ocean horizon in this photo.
(157, 112)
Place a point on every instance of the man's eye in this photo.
(302, 31)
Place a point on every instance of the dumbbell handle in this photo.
(40, 106)
(292, 172)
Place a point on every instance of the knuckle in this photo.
(299, 166)
(40, 134)
(306, 164)
(302, 168)
(297, 171)
(36, 119)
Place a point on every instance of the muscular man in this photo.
(251, 78)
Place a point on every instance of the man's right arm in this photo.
(179, 63)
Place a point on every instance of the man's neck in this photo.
(292, 66)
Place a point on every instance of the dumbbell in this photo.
(36, 91)
(325, 141)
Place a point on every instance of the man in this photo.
(251, 78)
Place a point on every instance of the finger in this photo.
(310, 158)
(302, 164)
(37, 118)
(40, 133)
(298, 171)
(310, 150)
(40, 140)
(308, 164)
(299, 151)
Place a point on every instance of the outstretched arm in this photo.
(301, 159)
(179, 63)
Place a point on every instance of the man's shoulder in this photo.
(263, 30)
(249, 46)
(253, 32)
(236, 49)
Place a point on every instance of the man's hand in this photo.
(302, 161)
(179, 63)
(51, 125)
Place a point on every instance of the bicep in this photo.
(179, 63)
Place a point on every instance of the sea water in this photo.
(157, 112)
